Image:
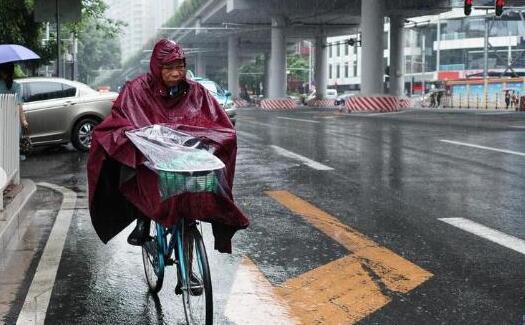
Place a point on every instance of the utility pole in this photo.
(486, 60)
(58, 37)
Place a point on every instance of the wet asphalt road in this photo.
(392, 179)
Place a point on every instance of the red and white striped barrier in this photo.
(372, 104)
(328, 103)
(241, 103)
(405, 102)
(278, 104)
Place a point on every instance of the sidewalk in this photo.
(13, 217)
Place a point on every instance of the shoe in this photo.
(139, 235)
(196, 286)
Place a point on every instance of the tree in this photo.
(17, 26)
(96, 51)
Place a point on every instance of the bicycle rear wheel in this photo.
(196, 284)
(153, 257)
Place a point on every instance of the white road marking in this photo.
(37, 298)
(517, 153)
(493, 235)
(253, 301)
(518, 126)
(306, 161)
(377, 114)
(297, 119)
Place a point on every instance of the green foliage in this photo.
(17, 26)
(252, 74)
(96, 51)
(298, 67)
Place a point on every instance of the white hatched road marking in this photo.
(39, 293)
(493, 235)
(517, 153)
(307, 161)
(297, 119)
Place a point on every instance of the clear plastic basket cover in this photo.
(173, 151)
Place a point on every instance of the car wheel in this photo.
(82, 132)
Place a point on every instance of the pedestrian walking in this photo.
(514, 100)
(507, 99)
(439, 95)
(9, 86)
(433, 100)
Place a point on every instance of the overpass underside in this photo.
(228, 32)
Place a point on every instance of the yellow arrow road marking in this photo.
(343, 291)
(340, 292)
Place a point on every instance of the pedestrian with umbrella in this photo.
(9, 54)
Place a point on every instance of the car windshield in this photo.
(210, 85)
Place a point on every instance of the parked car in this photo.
(340, 100)
(60, 111)
(223, 96)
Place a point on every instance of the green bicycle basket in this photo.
(174, 183)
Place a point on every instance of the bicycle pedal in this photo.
(170, 261)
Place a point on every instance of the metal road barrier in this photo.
(9, 142)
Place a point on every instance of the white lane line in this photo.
(493, 235)
(37, 298)
(518, 126)
(517, 153)
(307, 161)
(377, 114)
(297, 119)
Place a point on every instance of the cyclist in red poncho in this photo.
(122, 188)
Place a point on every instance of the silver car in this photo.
(61, 111)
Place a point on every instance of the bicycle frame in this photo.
(175, 244)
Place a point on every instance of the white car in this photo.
(329, 94)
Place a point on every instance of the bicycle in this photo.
(193, 273)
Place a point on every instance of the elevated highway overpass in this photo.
(224, 33)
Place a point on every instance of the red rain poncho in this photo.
(121, 186)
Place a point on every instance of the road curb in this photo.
(12, 218)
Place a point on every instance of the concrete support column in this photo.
(233, 65)
(372, 47)
(277, 80)
(201, 65)
(321, 67)
(397, 56)
(266, 84)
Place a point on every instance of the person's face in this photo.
(173, 73)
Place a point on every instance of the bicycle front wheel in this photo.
(196, 282)
(153, 257)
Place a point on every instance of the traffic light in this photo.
(468, 7)
(499, 7)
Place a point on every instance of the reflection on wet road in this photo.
(401, 218)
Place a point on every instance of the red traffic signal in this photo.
(468, 7)
(499, 7)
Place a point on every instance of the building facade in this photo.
(143, 18)
(438, 48)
